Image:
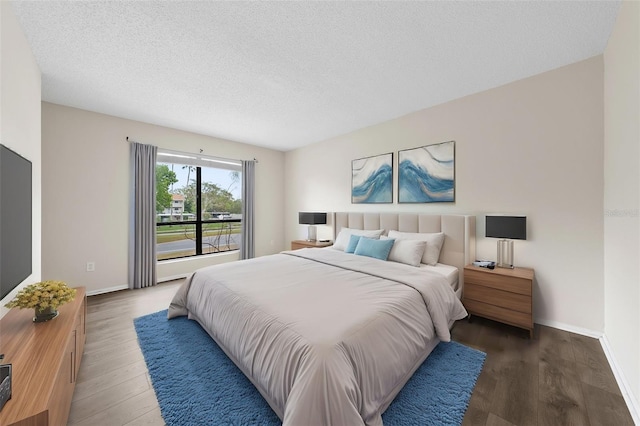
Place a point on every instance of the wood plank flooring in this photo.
(556, 378)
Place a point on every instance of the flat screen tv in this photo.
(15, 220)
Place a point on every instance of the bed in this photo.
(329, 337)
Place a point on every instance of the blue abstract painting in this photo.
(427, 174)
(372, 179)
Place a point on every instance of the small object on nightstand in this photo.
(485, 264)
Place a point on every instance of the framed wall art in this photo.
(372, 179)
(427, 174)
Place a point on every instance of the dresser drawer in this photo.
(492, 296)
(500, 282)
(497, 313)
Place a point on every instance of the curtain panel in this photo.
(142, 220)
(247, 243)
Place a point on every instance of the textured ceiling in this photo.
(287, 74)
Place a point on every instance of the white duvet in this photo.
(328, 338)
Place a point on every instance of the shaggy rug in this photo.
(197, 384)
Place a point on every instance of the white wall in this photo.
(622, 196)
(20, 120)
(86, 194)
(531, 147)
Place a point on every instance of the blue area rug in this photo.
(197, 384)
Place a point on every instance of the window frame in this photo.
(198, 161)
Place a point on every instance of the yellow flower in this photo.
(42, 295)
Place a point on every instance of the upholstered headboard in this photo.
(459, 248)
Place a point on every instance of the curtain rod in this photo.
(201, 150)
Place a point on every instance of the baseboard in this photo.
(570, 328)
(126, 287)
(107, 290)
(627, 394)
(173, 277)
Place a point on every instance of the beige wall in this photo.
(86, 194)
(622, 197)
(531, 147)
(20, 119)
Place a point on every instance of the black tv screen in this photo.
(15, 220)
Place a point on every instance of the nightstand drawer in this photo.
(500, 282)
(492, 296)
(519, 319)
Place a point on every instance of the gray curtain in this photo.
(248, 192)
(142, 220)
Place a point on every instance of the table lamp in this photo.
(507, 228)
(312, 219)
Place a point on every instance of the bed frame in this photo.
(459, 248)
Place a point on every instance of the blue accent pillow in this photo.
(353, 242)
(378, 249)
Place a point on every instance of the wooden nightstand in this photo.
(500, 294)
(298, 244)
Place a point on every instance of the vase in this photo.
(45, 314)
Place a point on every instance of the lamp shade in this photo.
(311, 218)
(510, 227)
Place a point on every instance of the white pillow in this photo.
(407, 251)
(342, 240)
(434, 243)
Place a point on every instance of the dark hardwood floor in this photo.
(556, 378)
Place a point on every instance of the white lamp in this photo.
(312, 219)
(507, 228)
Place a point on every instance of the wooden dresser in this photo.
(45, 360)
(504, 295)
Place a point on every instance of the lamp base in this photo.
(311, 233)
(505, 254)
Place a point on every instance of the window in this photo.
(198, 205)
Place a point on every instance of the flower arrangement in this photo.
(43, 295)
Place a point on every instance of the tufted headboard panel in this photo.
(459, 248)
